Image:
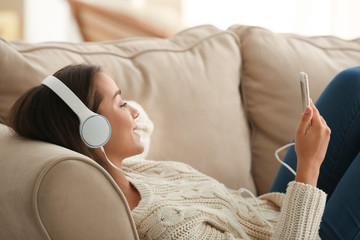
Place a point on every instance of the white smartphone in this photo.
(305, 93)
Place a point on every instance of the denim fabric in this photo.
(339, 104)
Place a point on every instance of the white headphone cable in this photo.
(280, 161)
(266, 219)
(241, 189)
(113, 165)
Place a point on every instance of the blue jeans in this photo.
(339, 177)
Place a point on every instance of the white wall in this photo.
(309, 17)
(51, 20)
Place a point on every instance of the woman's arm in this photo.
(301, 213)
(304, 204)
(311, 142)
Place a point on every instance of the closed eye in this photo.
(124, 104)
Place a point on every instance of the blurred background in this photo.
(99, 20)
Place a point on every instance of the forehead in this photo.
(105, 85)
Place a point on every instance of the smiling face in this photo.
(124, 142)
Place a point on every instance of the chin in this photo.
(137, 149)
(139, 152)
(141, 148)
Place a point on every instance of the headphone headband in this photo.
(95, 129)
(68, 97)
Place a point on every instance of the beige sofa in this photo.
(221, 101)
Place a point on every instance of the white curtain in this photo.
(308, 17)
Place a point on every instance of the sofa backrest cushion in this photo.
(188, 84)
(270, 86)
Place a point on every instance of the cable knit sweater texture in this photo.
(179, 202)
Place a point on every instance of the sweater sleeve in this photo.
(301, 212)
(207, 231)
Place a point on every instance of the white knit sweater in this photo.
(178, 202)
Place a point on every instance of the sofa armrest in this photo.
(49, 192)
(76, 200)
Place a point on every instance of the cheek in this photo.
(121, 125)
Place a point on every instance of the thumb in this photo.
(305, 119)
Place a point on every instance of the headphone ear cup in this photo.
(95, 131)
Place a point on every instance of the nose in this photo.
(134, 112)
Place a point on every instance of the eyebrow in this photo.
(118, 92)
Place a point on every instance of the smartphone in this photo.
(305, 93)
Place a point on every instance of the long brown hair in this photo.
(40, 114)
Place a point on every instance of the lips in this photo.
(134, 130)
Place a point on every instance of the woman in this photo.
(171, 200)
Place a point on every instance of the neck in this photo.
(115, 169)
(119, 177)
(131, 194)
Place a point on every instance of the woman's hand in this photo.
(311, 142)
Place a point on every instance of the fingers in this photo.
(317, 117)
(316, 120)
(311, 116)
(305, 120)
(323, 121)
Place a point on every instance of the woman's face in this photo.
(124, 142)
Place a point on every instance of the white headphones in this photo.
(95, 129)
